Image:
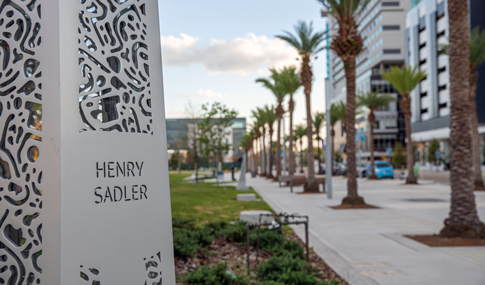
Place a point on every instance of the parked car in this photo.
(382, 169)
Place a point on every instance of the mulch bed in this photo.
(353, 207)
(235, 255)
(436, 240)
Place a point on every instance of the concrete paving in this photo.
(367, 246)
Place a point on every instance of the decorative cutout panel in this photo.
(154, 270)
(21, 134)
(152, 266)
(113, 60)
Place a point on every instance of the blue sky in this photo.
(213, 50)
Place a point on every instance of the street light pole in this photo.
(328, 142)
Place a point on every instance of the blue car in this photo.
(382, 169)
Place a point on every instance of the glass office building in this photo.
(178, 134)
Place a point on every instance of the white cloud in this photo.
(205, 94)
(242, 55)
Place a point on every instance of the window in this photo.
(391, 28)
(390, 4)
(392, 51)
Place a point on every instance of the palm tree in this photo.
(308, 44)
(260, 121)
(246, 144)
(463, 219)
(290, 82)
(337, 113)
(318, 121)
(404, 81)
(373, 101)
(270, 115)
(300, 132)
(255, 130)
(348, 44)
(477, 57)
(277, 89)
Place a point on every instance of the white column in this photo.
(83, 155)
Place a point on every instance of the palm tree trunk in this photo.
(263, 154)
(278, 143)
(311, 184)
(352, 196)
(253, 160)
(372, 120)
(406, 109)
(301, 156)
(319, 154)
(291, 108)
(463, 218)
(477, 165)
(270, 162)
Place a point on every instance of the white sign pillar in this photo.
(84, 193)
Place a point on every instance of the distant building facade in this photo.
(426, 29)
(382, 27)
(180, 136)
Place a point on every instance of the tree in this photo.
(277, 89)
(260, 120)
(337, 113)
(398, 156)
(477, 57)
(270, 116)
(193, 110)
(433, 147)
(373, 101)
(246, 143)
(300, 132)
(214, 128)
(463, 219)
(404, 80)
(308, 44)
(348, 44)
(318, 121)
(175, 160)
(290, 82)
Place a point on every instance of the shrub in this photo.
(234, 232)
(299, 278)
(184, 223)
(217, 275)
(185, 243)
(274, 267)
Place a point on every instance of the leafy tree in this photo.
(347, 43)
(433, 147)
(318, 121)
(214, 129)
(373, 101)
(300, 132)
(463, 219)
(404, 80)
(308, 44)
(175, 159)
(337, 113)
(398, 155)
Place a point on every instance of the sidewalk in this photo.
(367, 246)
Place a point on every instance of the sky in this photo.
(214, 50)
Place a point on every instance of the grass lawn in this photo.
(206, 202)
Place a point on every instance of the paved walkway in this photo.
(367, 246)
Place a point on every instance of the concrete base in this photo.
(252, 217)
(246, 197)
(242, 188)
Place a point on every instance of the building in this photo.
(179, 136)
(426, 29)
(382, 25)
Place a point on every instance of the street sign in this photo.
(362, 134)
(437, 154)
